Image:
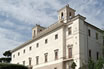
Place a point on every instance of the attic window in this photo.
(62, 15)
(40, 30)
(70, 15)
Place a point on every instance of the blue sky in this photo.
(17, 17)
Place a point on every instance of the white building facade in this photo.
(70, 39)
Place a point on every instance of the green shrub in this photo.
(11, 66)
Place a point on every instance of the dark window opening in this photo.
(55, 68)
(30, 61)
(46, 41)
(96, 36)
(37, 45)
(56, 36)
(89, 53)
(89, 32)
(56, 54)
(23, 62)
(70, 15)
(69, 31)
(62, 15)
(70, 52)
(30, 48)
(97, 55)
(18, 54)
(24, 51)
(46, 57)
(37, 60)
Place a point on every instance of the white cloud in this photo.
(30, 11)
(8, 40)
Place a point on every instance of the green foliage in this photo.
(12, 66)
(84, 66)
(7, 57)
(91, 64)
(99, 64)
(7, 53)
(73, 65)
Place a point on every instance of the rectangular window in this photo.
(69, 31)
(30, 48)
(46, 41)
(18, 53)
(70, 52)
(37, 60)
(56, 54)
(13, 56)
(24, 51)
(56, 36)
(34, 33)
(55, 68)
(23, 62)
(46, 57)
(89, 32)
(18, 63)
(97, 55)
(89, 53)
(30, 61)
(96, 36)
(37, 45)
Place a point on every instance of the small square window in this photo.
(46, 41)
(56, 36)
(23, 62)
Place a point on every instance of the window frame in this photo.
(69, 30)
(46, 57)
(46, 41)
(69, 52)
(37, 60)
(89, 32)
(56, 36)
(56, 54)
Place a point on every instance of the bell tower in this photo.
(65, 14)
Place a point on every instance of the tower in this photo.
(66, 14)
(37, 29)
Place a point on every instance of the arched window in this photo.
(62, 15)
(70, 15)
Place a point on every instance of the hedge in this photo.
(11, 66)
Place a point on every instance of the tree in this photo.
(73, 65)
(91, 64)
(7, 53)
(99, 64)
(7, 57)
(12, 66)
